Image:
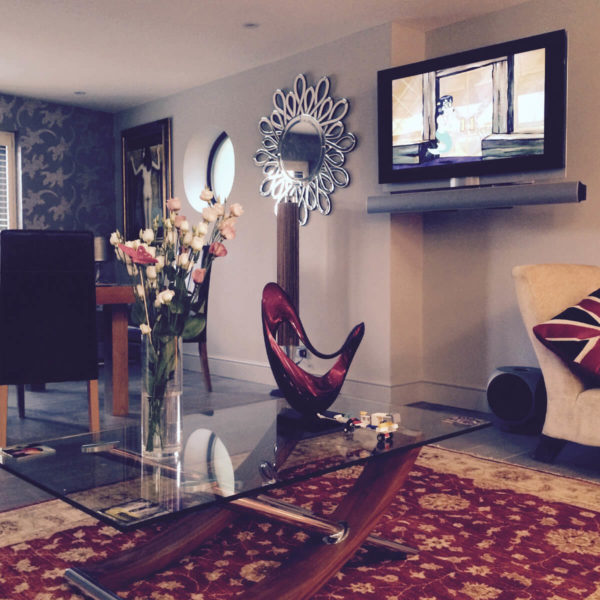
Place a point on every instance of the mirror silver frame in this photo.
(311, 110)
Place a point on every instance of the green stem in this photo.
(161, 365)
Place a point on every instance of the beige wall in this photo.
(344, 257)
(472, 324)
(435, 291)
(406, 250)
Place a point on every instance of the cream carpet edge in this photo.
(40, 520)
(490, 473)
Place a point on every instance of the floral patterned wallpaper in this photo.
(67, 164)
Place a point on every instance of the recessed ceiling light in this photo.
(251, 25)
(79, 93)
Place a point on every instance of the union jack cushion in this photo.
(574, 335)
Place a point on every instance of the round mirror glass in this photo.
(301, 148)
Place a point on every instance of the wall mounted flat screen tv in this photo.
(498, 109)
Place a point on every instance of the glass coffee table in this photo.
(229, 460)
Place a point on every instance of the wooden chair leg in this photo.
(3, 414)
(21, 400)
(204, 363)
(93, 405)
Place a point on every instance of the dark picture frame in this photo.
(146, 171)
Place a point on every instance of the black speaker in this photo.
(517, 398)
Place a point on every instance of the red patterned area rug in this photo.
(486, 531)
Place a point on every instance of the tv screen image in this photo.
(489, 110)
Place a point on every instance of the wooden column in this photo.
(288, 262)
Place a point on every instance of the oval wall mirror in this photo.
(304, 146)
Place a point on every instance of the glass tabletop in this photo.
(226, 453)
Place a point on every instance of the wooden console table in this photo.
(114, 300)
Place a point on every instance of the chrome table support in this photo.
(296, 515)
(88, 586)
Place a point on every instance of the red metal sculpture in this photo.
(307, 393)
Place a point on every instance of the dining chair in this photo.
(47, 314)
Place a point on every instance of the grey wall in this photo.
(472, 323)
(67, 164)
(344, 257)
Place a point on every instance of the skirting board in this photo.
(478, 197)
(261, 373)
(369, 392)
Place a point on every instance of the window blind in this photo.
(3, 188)
(8, 199)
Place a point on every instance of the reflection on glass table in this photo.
(232, 453)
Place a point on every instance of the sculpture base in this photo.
(296, 421)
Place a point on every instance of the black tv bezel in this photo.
(555, 44)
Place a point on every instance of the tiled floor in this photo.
(62, 410)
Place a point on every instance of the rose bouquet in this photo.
(169, 266)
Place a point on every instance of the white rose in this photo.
(139, 290)
(197, 243)
(131, 269)
(236, 210)
(202, 228)
(172, 237)
(160, 264)
(151, 272)
(148, 236)
(151, 250)
(184, 226)
(183, 260)
(187, 238)
(115, 238)
(164, 297)
(206, 195)
(145, 329)
(209, 214)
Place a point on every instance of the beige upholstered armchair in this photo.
(573, 413)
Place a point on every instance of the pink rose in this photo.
(218, 249)
(209, 214)
(140, 256)
(198, 275)
(227, 229)
(174, 204)
(178, 220)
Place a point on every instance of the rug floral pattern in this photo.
(485, 530)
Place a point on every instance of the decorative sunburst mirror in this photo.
(304, 147)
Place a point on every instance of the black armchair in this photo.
(47, 314)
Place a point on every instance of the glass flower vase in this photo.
(162, 385)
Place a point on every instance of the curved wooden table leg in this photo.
(304, 574)
(175, 541)
(312, 566)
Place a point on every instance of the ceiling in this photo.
(115, 54)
